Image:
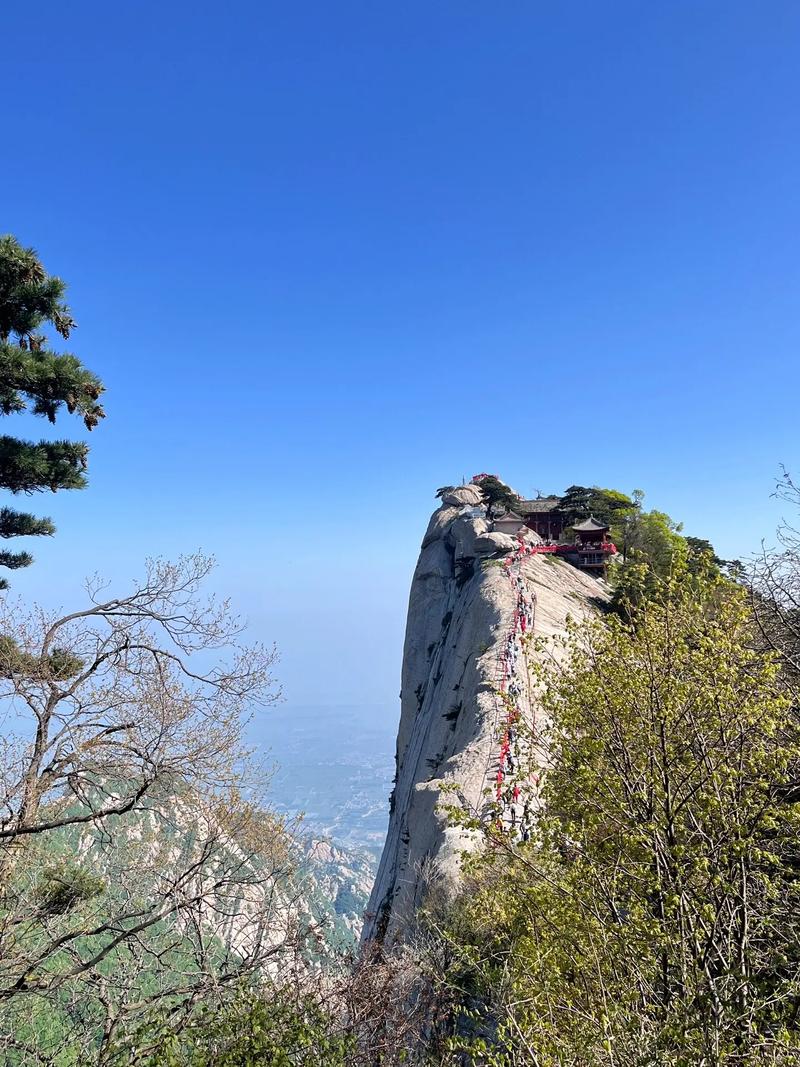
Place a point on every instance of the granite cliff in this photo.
(476, 595)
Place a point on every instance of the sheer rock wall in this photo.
(462, 609)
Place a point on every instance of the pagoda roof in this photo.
(540, 504)
(508, 515)
(590, 525)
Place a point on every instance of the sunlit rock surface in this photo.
(461, 609)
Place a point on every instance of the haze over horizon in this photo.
(380, 250)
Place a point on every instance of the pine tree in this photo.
(496, 493)
(36, 379)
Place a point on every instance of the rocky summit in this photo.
(477, 592)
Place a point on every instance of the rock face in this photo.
(462, 494)
(470, 591)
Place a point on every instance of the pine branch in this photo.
(23, 524)
(26, 467)
(14, 560)
(46, 380)
(29, 296)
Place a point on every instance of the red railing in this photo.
(608, 547)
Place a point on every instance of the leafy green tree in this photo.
(36, 379)
(700, 547)
(654, 917)
(652, 547)
(651, 537)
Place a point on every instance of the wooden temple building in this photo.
(589, 548)
(592, 545)
(542, 516)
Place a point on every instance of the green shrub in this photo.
(259, 1027)
(64, 885)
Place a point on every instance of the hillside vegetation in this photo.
(651, 917)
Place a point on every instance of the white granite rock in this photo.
(489, 543)
(463, 534)
(440, 523)
(460, 613)
(462, 494)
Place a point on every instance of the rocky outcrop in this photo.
(462, 494)
(471, 591)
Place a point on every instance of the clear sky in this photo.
(328, 256)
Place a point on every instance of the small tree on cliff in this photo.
(34, 378)
(496, 493)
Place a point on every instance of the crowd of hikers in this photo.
(510, 809)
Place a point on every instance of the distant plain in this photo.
(335, 764)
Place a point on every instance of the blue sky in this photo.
(330, 256)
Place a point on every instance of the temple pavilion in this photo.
(592, 545)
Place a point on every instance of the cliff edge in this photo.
(475, 596)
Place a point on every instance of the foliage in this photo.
(652, 537)
(700, 548)
(608, 506)
(135, 870)
(651, 548)
(259, 1026)
(650, 542)
(654, 919)
(496, 494)
(775, 587)
(64, 885)
(59, 664)
(34, 378)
